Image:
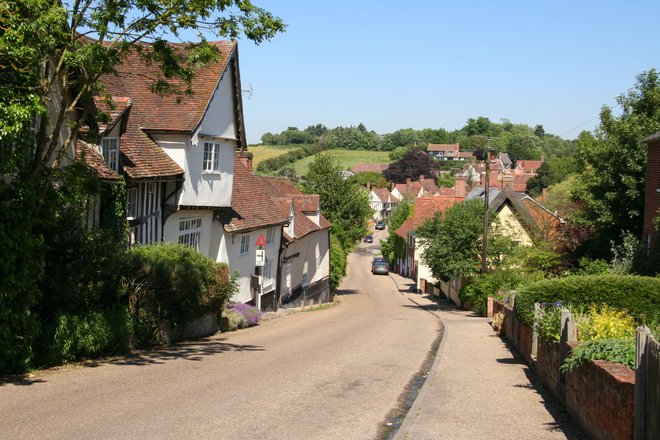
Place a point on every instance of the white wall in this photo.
(376, 204)
(423, 271)
(219, 118)
(314, 256)
(245, 264)
(171, 229)
(200, 188)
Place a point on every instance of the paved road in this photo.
(328, 374)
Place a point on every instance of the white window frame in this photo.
(131, 203)
(211, 159)
(270, 235)
(190, 231)
(268, 273)
(245, 244)
(110, 148)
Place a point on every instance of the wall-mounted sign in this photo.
(261, 257)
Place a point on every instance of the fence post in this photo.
(568, 334)
(535, 331)
(640, 382)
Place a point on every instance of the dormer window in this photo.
(110, 148)
(211, 157)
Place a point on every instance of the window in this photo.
(267, 273)
(270, 235)
(211, 157)
(131, 203)
(304, 275)
(245, 244)
(110, 148)
(190, 230)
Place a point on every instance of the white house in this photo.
(305, 252)
(382, 202)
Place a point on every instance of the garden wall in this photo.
(599, 395)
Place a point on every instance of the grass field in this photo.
(263, 152)
(346, 159)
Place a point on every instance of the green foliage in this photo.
(621, 351)
(640, 296)
(73, 337)
(413, 164)
(452, 242)
(483, 286)
(445, 181)
(283, 160)
(612, 183)
(345, 205)
(548, 322)
(587, 266)
(605, 322)
(337, 263)
(537, 258)
(394, 246)
(374, 178)
(233, 320)
(352, 138)
(552, 171)
(172, 284)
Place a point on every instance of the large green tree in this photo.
(346, 205)
(612, 183)
(452, 240)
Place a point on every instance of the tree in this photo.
(394, 246)
(452, 240)
(52, 55)
(374, 178)
(344, 204)
(612, 183)
(413, 164)
(552, 171)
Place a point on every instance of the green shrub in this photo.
(621, 351)
(640, 296)
(232, 320)
(337, 262)
(604, 322)
(548, 322)
(483, 286)
(172, 284)
(74, 337)
(587, 266)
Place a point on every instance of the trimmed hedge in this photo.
(640, 296)
(481, 287)
(172, 284)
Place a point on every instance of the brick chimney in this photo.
(408, 181)
(246, 159)
(421, 177)
(459, 185)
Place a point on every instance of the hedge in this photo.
(172, 284)
(481, 287)
(640, 296)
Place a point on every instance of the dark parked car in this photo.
(369, 239)
(380, 268)
(380, 224)
(378, 260)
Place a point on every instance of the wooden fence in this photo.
(647, 386)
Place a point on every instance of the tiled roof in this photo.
(529, 165)
(283, 193)
(444, 147)
(429, 186)
(410, 189)
(89, 153)
(142, 157)
(425, 208)
(177, 112)
(370, 167)
(383, 194)
(465, 154)
(114, 107)
(251, 206)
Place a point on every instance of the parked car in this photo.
(380, 268)
(368, 238)
(378, 260)
(380, 224)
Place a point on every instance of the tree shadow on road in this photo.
(20, 380)
(342, 292)
(562, 420)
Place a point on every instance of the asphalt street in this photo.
(334, 373)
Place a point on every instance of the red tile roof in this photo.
(150, 111)
(529, 165)
(283, 193)
(251, 206)
(444, 147)
(90, 155)
(384, 195)
(410, 189)
(370, 167)
(425, 208)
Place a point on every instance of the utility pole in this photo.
(484, 246)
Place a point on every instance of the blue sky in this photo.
(434, 64)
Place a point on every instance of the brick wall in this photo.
(600, 395)
(547, 365)
(652, 201)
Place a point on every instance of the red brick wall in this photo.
(547, 364)
(600, 395)
(652, 201)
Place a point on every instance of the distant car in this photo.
(380, 224)
(378, 260)
(368, 238)
(380, 268)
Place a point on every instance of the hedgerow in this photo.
(640, 296)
